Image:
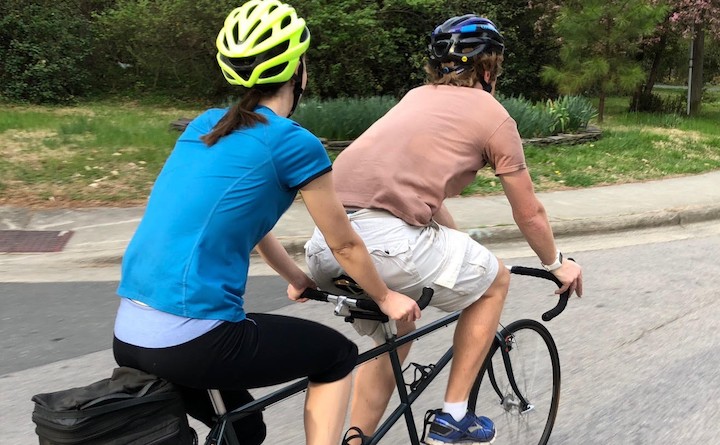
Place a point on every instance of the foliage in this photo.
(44, 50)
(689, 14)
(58, 50)
(347, 118)
(341, 119)
(567, 114)
(162, 46)
(656, 103)
(599, 40)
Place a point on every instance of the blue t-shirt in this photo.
(209, 208)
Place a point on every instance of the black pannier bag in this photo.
(129, 408)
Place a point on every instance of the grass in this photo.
(634, 147)
(109, 153)
(95, 154)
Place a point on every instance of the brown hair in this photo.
(491, 63)
(241, 115)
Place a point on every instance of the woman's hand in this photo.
(295, 293)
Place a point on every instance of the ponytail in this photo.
(241, 115)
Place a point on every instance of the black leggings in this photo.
(262, 350)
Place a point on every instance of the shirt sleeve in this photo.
(300, 158)
(504, 150)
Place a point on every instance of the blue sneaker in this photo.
(471, 430)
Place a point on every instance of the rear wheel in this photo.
(521, 391)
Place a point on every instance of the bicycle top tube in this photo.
(365, 308)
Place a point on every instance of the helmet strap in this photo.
(297, 88)
(486, 86)
(451, 69)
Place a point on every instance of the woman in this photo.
(231, 176)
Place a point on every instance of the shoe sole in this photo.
(430, 441)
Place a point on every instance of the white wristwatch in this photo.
(556, 264)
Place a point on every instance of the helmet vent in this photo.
(249, 33)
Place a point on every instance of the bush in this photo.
(567, 114)
(656, 103)
(44, 52)
(169, 46)
(343, 119)
(580, 111)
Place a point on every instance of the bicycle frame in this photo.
(223, 433)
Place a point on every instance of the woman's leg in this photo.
(320, 353)
(250, 430)
(325, 408)
(262, 350)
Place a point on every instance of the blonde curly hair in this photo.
(469, 77)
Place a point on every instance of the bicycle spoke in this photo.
(535, 368)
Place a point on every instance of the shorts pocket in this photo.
(394, 262)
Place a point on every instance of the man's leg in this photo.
(474, 335)
(374, 385)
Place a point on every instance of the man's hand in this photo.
(399, 307)
(570, 274)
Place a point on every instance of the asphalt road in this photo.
(638, 351)
(43, 323)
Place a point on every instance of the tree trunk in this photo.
(657, 58)
(695, 82)
(601, 107)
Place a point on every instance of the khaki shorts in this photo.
(409, 258)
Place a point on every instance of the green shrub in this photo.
(580, 111)
(567, 114)
(657, 103)
(44, 52)
(341, 119)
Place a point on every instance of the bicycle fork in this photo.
(506, 344)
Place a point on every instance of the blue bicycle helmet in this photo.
(462, 39)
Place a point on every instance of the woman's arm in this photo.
(349, 249)
(275, 255)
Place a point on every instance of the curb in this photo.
(660, 218)
(508, 233)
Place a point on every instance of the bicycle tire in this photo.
(534, 359)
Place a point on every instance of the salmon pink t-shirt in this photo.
(427, 148)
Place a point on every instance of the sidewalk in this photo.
(101, 234)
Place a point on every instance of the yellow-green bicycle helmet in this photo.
(261, 43)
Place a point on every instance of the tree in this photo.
(693, 18)
(599, 40)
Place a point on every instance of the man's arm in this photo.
(530, 216)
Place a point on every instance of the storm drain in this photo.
(30, 241)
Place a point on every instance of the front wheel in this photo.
(522, 391)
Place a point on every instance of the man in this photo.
(396, 176)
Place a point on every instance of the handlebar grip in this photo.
(540, 273)
(424, 300)
(370, 305)
(314, 294)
